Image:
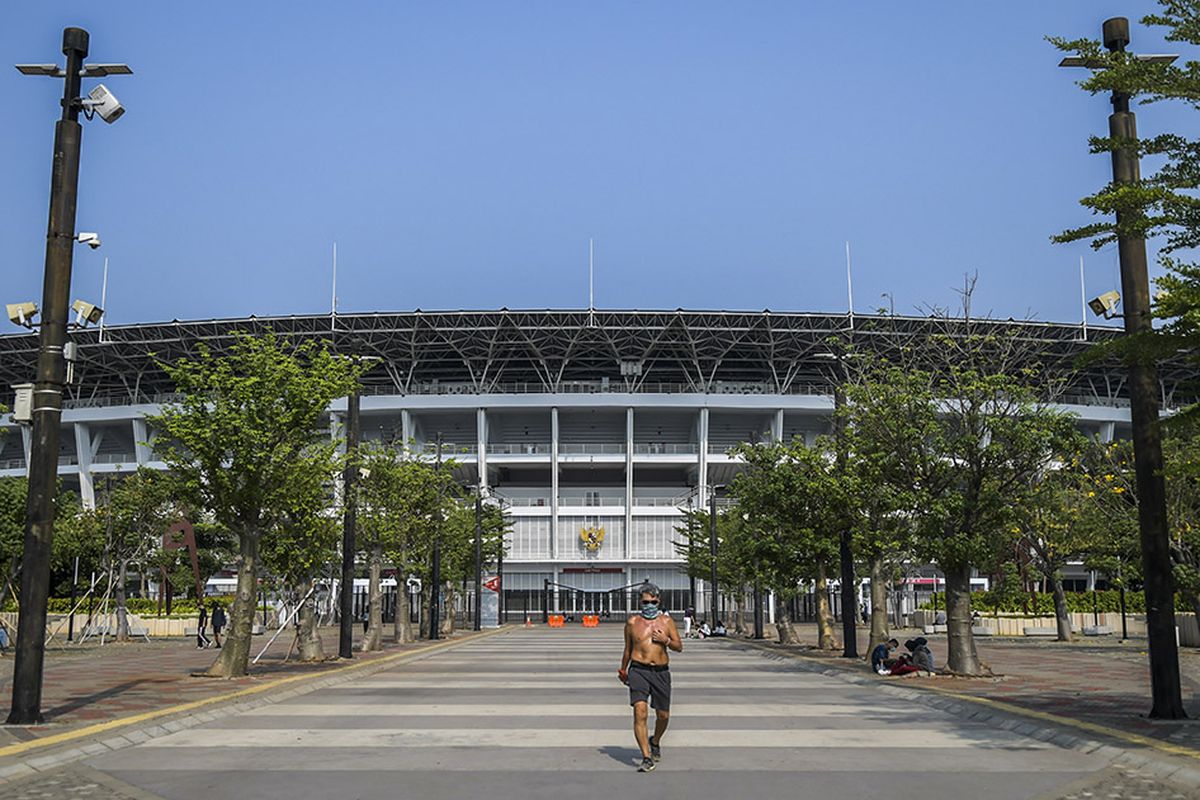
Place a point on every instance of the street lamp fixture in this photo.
(86, 313)
(22, 314)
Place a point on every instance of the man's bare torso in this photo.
(642, 648)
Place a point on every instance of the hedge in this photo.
(142, 606)
(1042, 604)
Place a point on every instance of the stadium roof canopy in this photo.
(469, 352)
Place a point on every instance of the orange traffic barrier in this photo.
(556, 620)
(591, 621)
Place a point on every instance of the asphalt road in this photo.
(540, 714)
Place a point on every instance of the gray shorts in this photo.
(650, 682)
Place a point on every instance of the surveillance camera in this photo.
(103, 102)
(22, 313)
(92, 240)
(86, 313)
(1105, 304)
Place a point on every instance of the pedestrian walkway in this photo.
(540, 714)
(1101, 681)
(90, 683)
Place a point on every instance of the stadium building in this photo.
(595, 427)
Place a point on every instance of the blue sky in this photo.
(462, 153)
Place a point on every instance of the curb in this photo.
(1172, 762)
(188, 715)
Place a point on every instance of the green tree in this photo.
(134, 516)
(970, 433)
(1053, 527)
(735, 573)
(304, 539)
(795, 501)
(242, 420)
(13, 497)
(402, 498)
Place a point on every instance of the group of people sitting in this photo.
(703, 630)
(919, 657)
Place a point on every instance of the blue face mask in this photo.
(649, 610)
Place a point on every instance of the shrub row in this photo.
(1042, 604)
(142, 606)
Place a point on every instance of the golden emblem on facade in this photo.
(592, 538)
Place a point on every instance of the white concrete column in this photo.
(777, 426)
(626, 540)
(554, 591)
(771, 608)
(83, 454)
(481, 437)
(1107, 431)
(702, 479)
(554, 488)
(335, 429)
(406, 432)
(142, 451)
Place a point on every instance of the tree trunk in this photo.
(738, 628)
(783, 623)
(446, 623)
(825, 639)
(122, 610)
(234, 659)
(402, 629)
(308, 638)
(426, 608)
(879, 593)
(961, 657)
(373, 640)
(1060, 607)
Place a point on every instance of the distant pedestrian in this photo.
(689, 619)
(201, 626)
(218, 622)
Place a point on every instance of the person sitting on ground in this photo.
(719, 630)
(881, 660)
(907, 664)
(922, 656)
(704, 630)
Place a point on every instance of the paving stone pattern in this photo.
(1127, 785)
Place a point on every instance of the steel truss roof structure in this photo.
(478, 352)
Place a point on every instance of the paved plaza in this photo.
(540, 714)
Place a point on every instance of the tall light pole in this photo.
(712, 555)
(435, 591)
(349, 525)
(1159, 583)
(479, 558)
(845, 546)
(48, 386)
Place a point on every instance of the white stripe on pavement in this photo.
(559, 738)
(553, 710)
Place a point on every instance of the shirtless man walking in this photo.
(644, 669)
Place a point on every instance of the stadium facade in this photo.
(581, 421)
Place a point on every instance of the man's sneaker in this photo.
(655, 750)
(647, 765)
